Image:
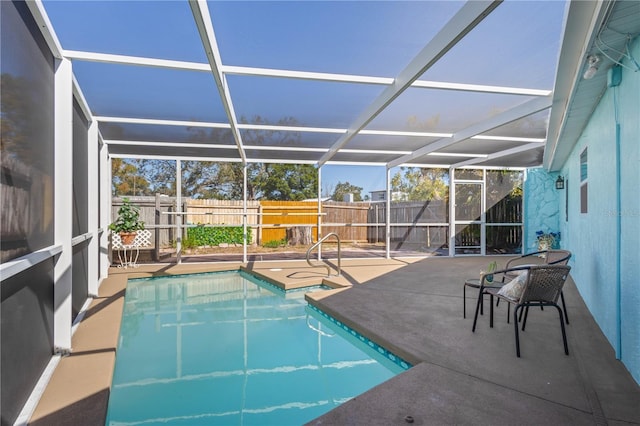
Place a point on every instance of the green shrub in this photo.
(189, 242)
(275, 243)
(213, 236)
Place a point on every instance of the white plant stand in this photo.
(128, 253)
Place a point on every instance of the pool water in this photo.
(229, 349)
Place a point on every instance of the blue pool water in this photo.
(229, 349)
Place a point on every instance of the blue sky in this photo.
(367, 177)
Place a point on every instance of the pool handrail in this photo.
(331, 234)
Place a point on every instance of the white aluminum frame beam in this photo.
(202, 17)
(277, 128)
(299, 75)
(108, 58)
(39, 13)
(470, 15)
(499, 154)
(285, 161)
(157, 122)
(365, 79)
(265, 148)
(82, 101)
(531, 107)
(268, 127)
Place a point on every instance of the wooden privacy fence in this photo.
(273, 216)
(151, 212)
(223, 212)
(220, 212)
(354, 215)
(415, 224)
(281, 214)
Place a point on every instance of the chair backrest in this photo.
(544, 283)
(557, 257)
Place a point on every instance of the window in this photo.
(583, 182)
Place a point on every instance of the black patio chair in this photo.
(548, 257)
(542, 287)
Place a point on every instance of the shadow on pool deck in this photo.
(413, 307)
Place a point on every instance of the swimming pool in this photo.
(227, 348)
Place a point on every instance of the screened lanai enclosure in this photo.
(241, 128)
(441, 105)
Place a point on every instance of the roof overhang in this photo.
(590, 26)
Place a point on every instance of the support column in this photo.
(63, 205)
(105, 207)
(387, 222)
(452, 212)
(179, 210)
(156, 231)
(483, 215)
(93, 209)
(319, 220)
(244, 212)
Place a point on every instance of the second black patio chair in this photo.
(542, 286)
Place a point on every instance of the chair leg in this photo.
(526, 314)
(564, 308)
(478, 306)
(564, 334)
(515, 327)
(464, 301)
(491, 310)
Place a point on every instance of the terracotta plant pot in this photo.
(127, 238)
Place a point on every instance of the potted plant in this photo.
(128, 222)
(546, 240)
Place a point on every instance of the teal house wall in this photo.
(605, 241)
(540, 207)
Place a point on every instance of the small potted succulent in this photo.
(128, 222)
(546, 241)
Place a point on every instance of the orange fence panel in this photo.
(286, 214)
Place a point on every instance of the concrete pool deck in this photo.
(413, 307)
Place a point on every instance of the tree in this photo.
(286, 182)
(345, 188)
(264, 181)
(161, 175)
(220, 180)
(419, 184)
(199, 179)
(328, 189)
(126, 178)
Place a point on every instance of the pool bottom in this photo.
(224, 348)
